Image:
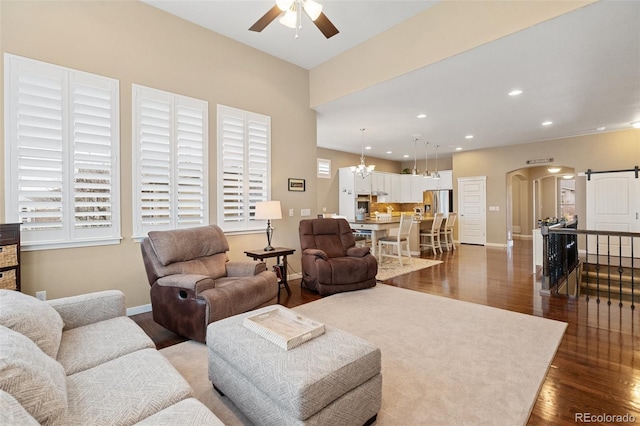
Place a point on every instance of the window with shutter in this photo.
(170, 152)
(61, 155)
(244, 162)
(324, 168)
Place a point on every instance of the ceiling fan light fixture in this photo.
(312, 8)
(290, 18)
(284, 5)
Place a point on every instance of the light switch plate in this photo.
(290, 212)
(305, 212)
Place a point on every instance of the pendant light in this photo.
(362, 169)
(425, 174)
(436, 175)
(414, 172)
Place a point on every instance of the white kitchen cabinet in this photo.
(378, 182)
(445, 181)
(411, 188)
(392, 184)
(361, 185)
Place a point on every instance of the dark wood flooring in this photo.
(596, 370)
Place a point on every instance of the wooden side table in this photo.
(277, 252)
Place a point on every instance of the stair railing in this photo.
(606, 268)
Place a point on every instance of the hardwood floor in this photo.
(596, 370)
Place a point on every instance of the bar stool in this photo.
(431, 238)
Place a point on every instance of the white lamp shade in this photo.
(268, 210)
(284, 4)
(289, 19)
(312, 9)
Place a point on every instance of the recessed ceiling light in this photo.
(422, 115)
(567, 177)
(389, 152)
(405, 156)
(554, 169)
(459, 148)
(515, 92)
(547, 123)
(469, 137)
(636, 124)
(367, 147)
(601, 128)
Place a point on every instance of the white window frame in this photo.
(324, 168)
(244, 168)
(62, 137)
(170, 153)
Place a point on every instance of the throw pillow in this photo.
(33, 318)
(35, 380)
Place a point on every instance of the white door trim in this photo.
(472, 210)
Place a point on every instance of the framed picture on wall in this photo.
(296, 184)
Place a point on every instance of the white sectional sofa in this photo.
(80, 361)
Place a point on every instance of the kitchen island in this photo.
(380, 228)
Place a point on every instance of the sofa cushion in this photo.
(186, 244)
(188, 412)
(34, 379)
(33, 318)
(12, 413)
(125, 390)
(100, 342)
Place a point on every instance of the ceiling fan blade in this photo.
(266, 19)
(325, 26)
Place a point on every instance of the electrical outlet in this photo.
(324, 210)
(42, 295)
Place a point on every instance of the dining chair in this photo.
(398, 240)
(431, 238)
(446, 231)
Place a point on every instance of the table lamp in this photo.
(268, 210)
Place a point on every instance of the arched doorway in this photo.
(535, 193)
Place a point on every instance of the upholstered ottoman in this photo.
(333, 379)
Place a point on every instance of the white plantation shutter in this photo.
(61, 154)
(170, 149)
(244, 161)
(324, 168)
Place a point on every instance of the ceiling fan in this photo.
(290, 12)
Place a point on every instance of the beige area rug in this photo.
(443, 361)
(390, 268)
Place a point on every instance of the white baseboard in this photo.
(139, 309)
(495, 245)
(294, 276)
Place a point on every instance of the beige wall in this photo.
(135, 43)
(602, 151)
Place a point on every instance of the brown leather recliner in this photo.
(193, 283)
(331, 263)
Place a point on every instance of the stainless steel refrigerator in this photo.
(437, 202)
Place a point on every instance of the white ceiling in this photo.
(581, 71)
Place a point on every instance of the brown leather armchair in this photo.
(193, 283)
(331, 263)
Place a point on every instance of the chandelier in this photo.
(362, 169)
